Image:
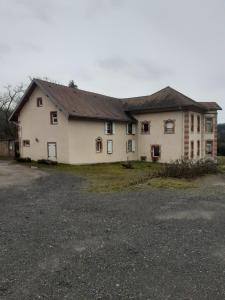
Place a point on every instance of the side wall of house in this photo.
(35, 126)
(172, 145)
(82, 142)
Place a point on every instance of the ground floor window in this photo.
(209, 148)
(198, 148)
(130, 146)
(192, 149)
(26, 143)
(155, 152)
(99, 145)
(109, 146)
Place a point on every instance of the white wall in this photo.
(172, 145)
(34, 124)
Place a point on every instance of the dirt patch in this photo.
(15, 174)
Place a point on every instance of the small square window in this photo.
(39, 102)
(26, 143)
(169, 126)
(54, 117)
(145, 127)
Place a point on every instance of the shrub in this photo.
(188, 168)
(127, 165)
(47, 162)
(23, 159)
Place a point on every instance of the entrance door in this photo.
(52, 154)
(156, 152)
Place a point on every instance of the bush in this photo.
(47, 162)
(127, 165)
(23, 159)
(188, 168)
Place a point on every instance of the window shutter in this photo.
(127, 128)
(113, 127)
(109, 147)
(127, 146)
(133, 128)
(133, 146)
(105, 127)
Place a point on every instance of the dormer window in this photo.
(54, 117)
(169, 126)
(39, 102)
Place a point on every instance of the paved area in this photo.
(57, 242)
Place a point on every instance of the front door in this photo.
(156, 152)
(52, 153)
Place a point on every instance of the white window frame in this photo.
(54, 119)
(133, 128)
(39, 102)
(109, 147)
(169, 130)
(107, 131)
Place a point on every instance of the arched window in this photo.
(169, 126)
(98, 145)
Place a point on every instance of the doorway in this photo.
(52, 152)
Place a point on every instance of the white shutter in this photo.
(105, 127)
(133, 128)
(113, 127)
(133, 145)
(127, 128)
(110, 147)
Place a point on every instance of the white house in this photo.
(73, 126)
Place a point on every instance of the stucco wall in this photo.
(82, 136)
(171, 144)
(34, 125)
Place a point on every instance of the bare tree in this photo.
(8, 101)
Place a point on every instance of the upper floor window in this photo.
(131, 128)
(209, 124)
(209, 148)
(99, 145)
(198, 123)
(54, 117)
(145, 127)
(26, 143)
(169, 126)
(130, 146)
(109, 127)
(192, 123)
(39, 102)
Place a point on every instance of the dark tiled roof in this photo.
(76, 103)
(165, 99)
(211, 105)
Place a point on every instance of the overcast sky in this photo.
(121, 48)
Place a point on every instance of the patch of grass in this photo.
(221, 163)
(171, 183)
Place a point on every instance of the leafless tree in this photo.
(8, 100)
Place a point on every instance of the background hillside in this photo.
(221, 139)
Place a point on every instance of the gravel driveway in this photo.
(57, 242)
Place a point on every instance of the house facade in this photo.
(77, 127)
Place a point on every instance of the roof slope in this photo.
(77, 103)
(165, 99)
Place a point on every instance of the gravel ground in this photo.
(59, 243)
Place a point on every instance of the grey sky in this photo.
(120, 48)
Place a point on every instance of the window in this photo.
(209, 148)
(109, 127)
(131, 128)
(145, 127)
(99, 146)
(109, 146)
(26, 143)
(209, 124)
(198, 148)
(169, 126)
(39, 102)
(192, 149)
(156, 152)
(130, 146)
(192, 123)
(198, 123)
(53, 117)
